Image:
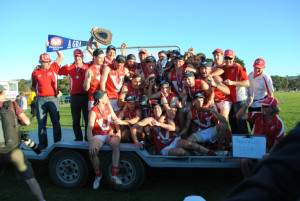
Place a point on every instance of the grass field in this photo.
(161, 184)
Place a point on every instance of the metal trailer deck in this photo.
(68, 142)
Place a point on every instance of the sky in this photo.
(268, 29)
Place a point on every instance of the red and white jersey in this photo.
(103, 120)
(115, 81)
(76, 76)
(170, 97)
(236, 73)
(177, 80)
(45, 81)
(147, 74)
(107, 61)
(141, 67)
(261, 86)
(203, 119)
(129, 114)
(136, 92)
(197, 88)
(273, 130)
(95, 83)
(162, 137)
(132, 70)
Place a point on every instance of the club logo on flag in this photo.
(57, 43)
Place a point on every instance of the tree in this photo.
(64, 85)
(240, 61)
(22, 85)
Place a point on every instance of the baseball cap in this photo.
(97, 52)
(110, 47)
(78, 52)
(197, 95)
(188, 74)
(270, 101)
(143, 51)
(205, 64)
(130, 98)
(179, 56)
(163, 82)
(175, 52)
(144, 102)
(259, 63)
(131, 57)
(151, 59)
(121, 59)
(98, 95)
(135, 75)
(156, 103)
(2, 88)
(229, 53)
(45, 57)
(218, 51)
(163, 51)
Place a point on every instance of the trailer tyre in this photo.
(68, 169)
(132, 172)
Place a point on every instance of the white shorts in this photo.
(206, 134)
(165, 150)
(90, 104)
(114, 104)
(187, 107)
(224, 104)
(101, 137)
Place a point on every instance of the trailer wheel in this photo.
(132, 172)
(68, 169)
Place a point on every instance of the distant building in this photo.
(11, 88)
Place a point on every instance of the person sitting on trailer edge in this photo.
(100, 130)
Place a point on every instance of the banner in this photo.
(57, 43)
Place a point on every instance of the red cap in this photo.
(78, 52)
(259, 63)
(45, 57)
(218, 51)
(143, 51)
(229, 53)
(270, 101)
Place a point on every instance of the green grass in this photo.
(161, 184)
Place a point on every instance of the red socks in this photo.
(115, 171)
(97, 172)
(211, 152)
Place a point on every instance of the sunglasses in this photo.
(228, 58)
(266, 106)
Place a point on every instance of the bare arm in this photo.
(216, 71)
(187, 124)
(24, 119)
(104, 77)
(123, 46)
(136, 118)
(92, 117)
(87, 80)
(170, 126)
(242, 111)
(121, 101)
(243, 83)
(218, 84)
(60, 57)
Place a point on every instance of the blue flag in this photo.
(57, 43)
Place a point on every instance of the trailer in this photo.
(70, 167)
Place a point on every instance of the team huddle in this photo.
(179, 105)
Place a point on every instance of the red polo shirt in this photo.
(45, 81)
(76, 76)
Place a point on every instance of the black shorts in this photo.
(19, 161)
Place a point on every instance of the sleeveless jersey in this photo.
(203, 119)
(177, 80)
(136, 92)
(95, 83)
(103, 120)
(162, 137)
(114, 82)
(197, 88)
(129, 114)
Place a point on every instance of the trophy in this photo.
(103, 36)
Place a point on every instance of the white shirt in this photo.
(24, 103)
(261, 86)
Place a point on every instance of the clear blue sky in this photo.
(269, 29)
